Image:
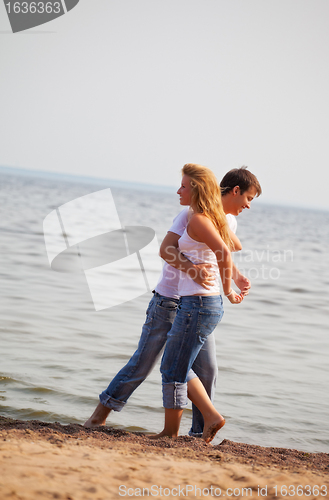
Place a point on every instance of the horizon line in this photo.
(131, 184)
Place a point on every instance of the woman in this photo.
(205, 240)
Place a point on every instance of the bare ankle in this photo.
(164, 433)
(99, 416)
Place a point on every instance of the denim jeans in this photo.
(205, 367)
(160, 316)
(196, 318)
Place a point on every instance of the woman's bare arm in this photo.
(201, 228)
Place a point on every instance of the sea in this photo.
(59, 351)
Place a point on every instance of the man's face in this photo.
(242, 201)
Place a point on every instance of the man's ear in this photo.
(236, 190)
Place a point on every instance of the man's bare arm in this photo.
(240, 280)
(200, 273)
(236, 242)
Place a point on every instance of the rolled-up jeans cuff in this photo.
(109, 402)
(174, 395)
(191, 375)
(195, 434)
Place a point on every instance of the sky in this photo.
(133, 89)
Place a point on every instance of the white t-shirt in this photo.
(198, 253)
(169, 278)
(232, 222)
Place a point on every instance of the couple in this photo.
(187, 305)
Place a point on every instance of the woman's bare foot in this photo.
(172, 421)
(162, 434)
(98, 417)
(211, 428)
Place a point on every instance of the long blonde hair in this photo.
(206, 197)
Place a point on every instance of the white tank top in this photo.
(198, 253)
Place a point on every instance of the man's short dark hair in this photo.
(239, 177)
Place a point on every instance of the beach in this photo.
(41, 461)
(58, 354)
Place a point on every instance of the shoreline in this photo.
(42, 461)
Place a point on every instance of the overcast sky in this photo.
(133, 89)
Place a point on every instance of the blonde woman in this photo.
(205, 240)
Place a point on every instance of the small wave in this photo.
(269, 302)
(40, 390)
(229, 369)
(153, 409)
(116, 357)
(8, 380)
(133, 428)
(239, 395)
(40, 415)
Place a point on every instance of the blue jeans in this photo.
(196, 318)
(160, 316)
(205, 367)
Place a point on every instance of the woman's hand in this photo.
(234, 298)
(242, 283)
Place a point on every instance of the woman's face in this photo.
(185, 191)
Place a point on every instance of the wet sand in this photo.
(41, 461)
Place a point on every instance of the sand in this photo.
(41, 461)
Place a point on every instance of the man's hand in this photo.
(242, 283)
(202, 275)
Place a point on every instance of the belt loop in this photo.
(200, 301)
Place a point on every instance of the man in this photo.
(239, 187)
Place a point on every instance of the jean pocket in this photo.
(166, 311)
(207, 322)
(168, 304)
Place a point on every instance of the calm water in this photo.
(58, 353)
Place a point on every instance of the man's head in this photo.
(239, 187)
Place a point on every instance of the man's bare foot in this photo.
(210, 429)
(98, 417)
